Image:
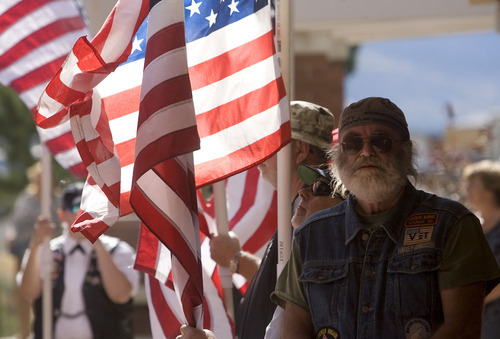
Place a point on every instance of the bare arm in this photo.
(223, 248)
(494, 294)
(296, 322)
(248, 266)
(462, 308)
(31, 282)
(114, 281)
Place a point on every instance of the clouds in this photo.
(423, 75)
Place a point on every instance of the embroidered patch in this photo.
(422, 219)
(327, 333)
(418, 235)
(417, 329)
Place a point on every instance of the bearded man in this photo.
(390, 261)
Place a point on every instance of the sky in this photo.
(423, 75)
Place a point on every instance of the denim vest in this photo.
(491, 315)
(382, 283)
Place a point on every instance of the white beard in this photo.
(372, 185)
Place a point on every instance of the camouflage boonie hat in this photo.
(311, 123)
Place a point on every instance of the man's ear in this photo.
(302, 150)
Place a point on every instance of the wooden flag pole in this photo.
(226, 276)
(46, 262)
(283, 27)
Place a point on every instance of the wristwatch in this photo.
(234, 264)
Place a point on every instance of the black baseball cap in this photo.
(72, 196)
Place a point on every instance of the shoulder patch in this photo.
(421, 219)
(417, 329)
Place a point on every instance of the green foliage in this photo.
(18, 136)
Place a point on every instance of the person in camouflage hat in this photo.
(311, 127)
(311, 124)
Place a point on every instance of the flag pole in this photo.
(283, 28)
(225, 274)
(46, 262)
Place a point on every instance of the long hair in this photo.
(406, 156)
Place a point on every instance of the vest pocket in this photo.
(413, 278)
(325, 286)
(415, 263)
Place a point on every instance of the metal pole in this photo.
(283, 28)
(46, 262)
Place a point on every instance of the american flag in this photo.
(252, 216)
(100, 93)
(251, 121)
(238, 92)
(35, 37)
(163, 193)
(102, 102)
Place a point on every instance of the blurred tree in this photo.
(18, 137)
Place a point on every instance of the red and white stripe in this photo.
(163, 191)
(35, 37)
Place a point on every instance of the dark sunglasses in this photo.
(73, 209)
(381, 143)
(321, 188)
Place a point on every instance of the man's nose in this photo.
(367, 149)
(305, 192)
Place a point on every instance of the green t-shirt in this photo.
(465, 248)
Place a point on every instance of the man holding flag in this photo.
(92, 284)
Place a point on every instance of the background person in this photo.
(316, 195)
(319, 192)
(93, 284)
(390, 261)
(482, 181)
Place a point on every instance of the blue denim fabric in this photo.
(382, 283)
(491, 320)
(491, 315)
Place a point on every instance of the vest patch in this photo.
(417, 329)
(327, 333)
(418, 235)
(422, 219)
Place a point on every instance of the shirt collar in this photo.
(70, 243)
(393, 224)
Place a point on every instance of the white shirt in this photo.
(75, 270)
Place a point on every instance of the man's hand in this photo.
(31, 281)
(223, 248)
(188, 332)
(43, 229)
